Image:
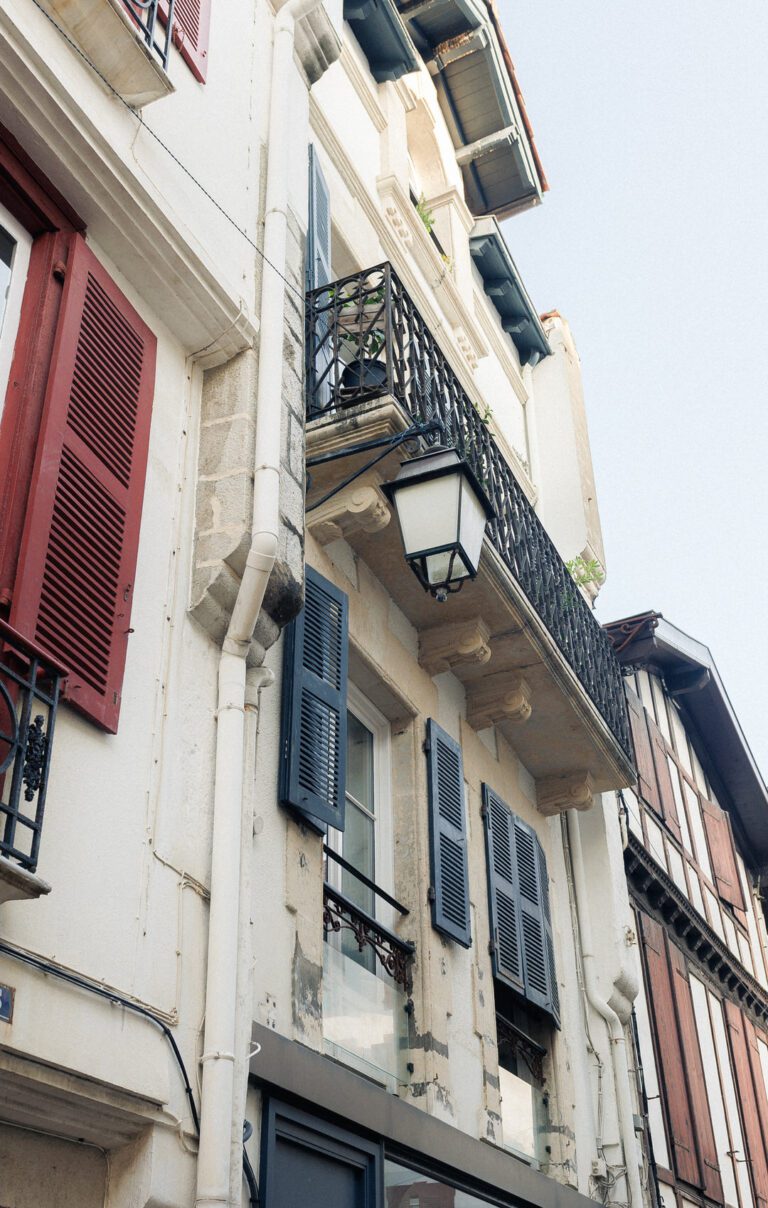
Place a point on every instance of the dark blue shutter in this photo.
(503, 892)
(319, 229)
(448, 836)
(313, 744)
(319, 273)
(518, 894)
(554, 993)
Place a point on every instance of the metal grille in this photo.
(29, 693)
(365, 338)
(154, 21)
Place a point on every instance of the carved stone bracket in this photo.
(445, 646)
(558, 793)
(358, 507)
(500, 697)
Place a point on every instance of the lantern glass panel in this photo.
(429, 514)
(473, 521)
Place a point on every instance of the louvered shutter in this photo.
(663, 778)
(741, 1034)
(670, 1056)
(646, 772)
(538, 959)
(554, 993)
(75, 578)
(447, 836)
(191, 27)
(319, 230)
(314, 707)
(721, 851)
(522, 945)
(503, 892)
(692, 1070)
(318, 272)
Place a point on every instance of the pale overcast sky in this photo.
(652, 124)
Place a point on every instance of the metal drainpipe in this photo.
(615, 1028)
(221, 1064)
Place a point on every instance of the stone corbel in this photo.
(558, 793)
(501, 697)
(356, 508)
(442, 648)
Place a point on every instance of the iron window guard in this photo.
(366, 339)
(154, 23)
(29, 694)
(394, 954)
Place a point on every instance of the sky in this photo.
(652, 124)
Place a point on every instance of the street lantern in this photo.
(442, 511)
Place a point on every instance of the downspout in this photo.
(619, 1058)
(222, 1065)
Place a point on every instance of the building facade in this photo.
(695, 858)
(311, 871)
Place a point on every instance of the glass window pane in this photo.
(359, 763)
(358, 851)
(7, 248)
(697, 826)
(518, 1113)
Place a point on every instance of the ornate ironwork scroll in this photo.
(29, 694)
(393, 954)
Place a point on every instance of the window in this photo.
(334, 772)
(15, 246)
(521, 1086)
(366, 841)
(522, 946)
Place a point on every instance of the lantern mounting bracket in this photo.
(385, 443)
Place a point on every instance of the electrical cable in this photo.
(111, 996)
(254, 1196)
(139, 118)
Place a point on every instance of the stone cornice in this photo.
(657, 893)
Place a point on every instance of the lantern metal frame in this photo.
(418, 561)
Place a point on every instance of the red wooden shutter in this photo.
(721, 850)
(693, 1071)
(672, 1079)
(191, 26)
(74, 583)
(663, 779)
(742, 1037)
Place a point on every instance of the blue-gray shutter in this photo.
(318, 272)
(313, 744)
(319, 230)
(503, 892)
(518, 893)
(447, 836)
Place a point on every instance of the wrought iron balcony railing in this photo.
(154, 21)
(340, 913)
(29, 695)
(366, 338)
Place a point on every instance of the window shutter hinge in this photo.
(59, 270)
(431, 895)
(491, 947)
(483, 810)
(427, 746)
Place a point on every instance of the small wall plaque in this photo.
(6, 1003)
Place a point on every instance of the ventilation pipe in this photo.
(223, 1066)
(619, 1059)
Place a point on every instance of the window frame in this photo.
(10, 320)
(383, 831)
